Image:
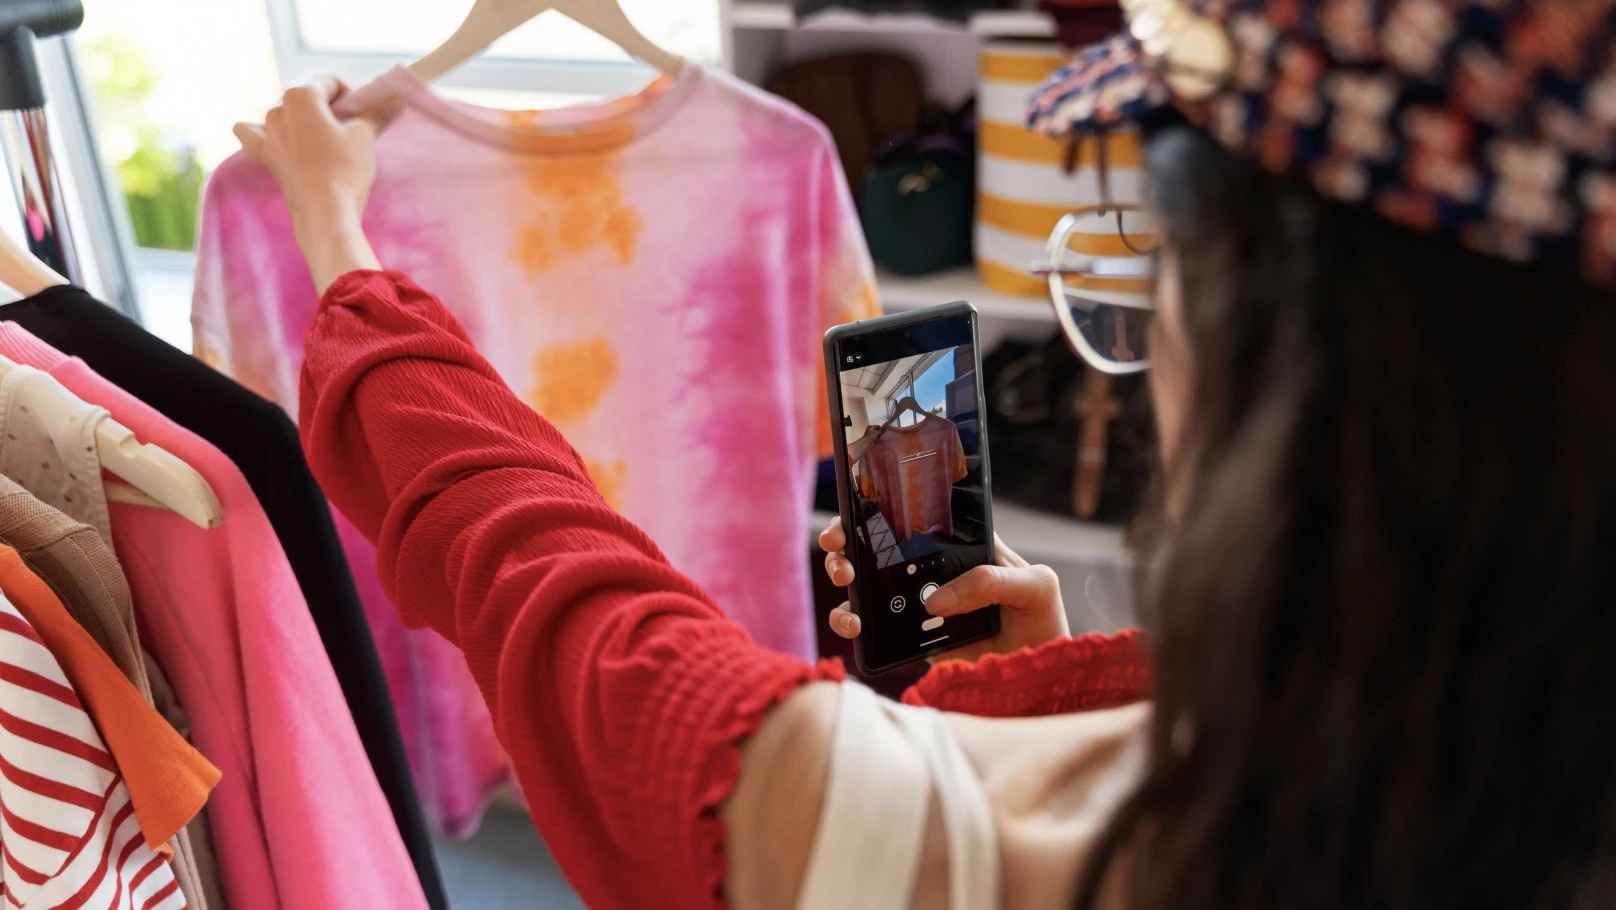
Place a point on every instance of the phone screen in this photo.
(916, 474)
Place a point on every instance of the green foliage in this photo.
(164, 193)
(160, 175)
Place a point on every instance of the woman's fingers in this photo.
(984, 586)
(315, 97)
(839, 568)
(833, 539)
(844, 622)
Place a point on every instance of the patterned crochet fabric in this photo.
(1490, 122)
(1087, 673)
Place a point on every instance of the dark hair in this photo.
(1384, 635)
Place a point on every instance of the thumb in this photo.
(985, 586)
(251, 137)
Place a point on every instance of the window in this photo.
(169, 78)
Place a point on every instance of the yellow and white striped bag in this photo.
(1022, 186)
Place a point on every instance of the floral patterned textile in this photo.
(1490, 121)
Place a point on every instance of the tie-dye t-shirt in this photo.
(910, 473)
(653, 275)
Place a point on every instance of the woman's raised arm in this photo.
(620, 690)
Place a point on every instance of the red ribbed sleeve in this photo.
(1087, 673)
(619, 688)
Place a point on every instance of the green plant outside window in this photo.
(157, 169)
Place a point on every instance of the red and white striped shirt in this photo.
(68, 834)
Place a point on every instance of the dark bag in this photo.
(919, 204)
(1037, 396)
(1080, 23)
(861, 98)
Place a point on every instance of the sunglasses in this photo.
(1101, 269)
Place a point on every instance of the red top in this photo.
(619, 688)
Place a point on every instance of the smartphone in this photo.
(913, 477)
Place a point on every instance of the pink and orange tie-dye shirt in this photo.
(910, 473)
(653, 275)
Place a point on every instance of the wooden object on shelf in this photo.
(1098, 407)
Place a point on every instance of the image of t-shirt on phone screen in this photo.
(909, 473)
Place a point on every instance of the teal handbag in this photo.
(919, 204)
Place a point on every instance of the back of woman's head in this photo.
(1385, 648)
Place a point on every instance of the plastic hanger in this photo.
(907, 403)
(490, 20)
(24, 272)
(155, 477)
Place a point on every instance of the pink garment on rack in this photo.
(441, 715)
(298, 818)
(654, 275)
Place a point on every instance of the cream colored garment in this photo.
(56, 462)
(886, 761)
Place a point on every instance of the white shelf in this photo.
(762, 15)
(1013, 23)
(1047, 537)
(903, 292)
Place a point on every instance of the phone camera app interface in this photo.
(913, 433)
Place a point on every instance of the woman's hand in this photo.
(1029, 595)
(325, 168)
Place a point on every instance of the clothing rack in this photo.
(24, 133)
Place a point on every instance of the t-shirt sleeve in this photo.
(847, 291)
(865, 476)
(248, 273)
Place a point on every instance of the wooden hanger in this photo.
(24, 272)
(156, 478)
(490, 20)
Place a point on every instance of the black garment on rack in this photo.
(258, 436)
